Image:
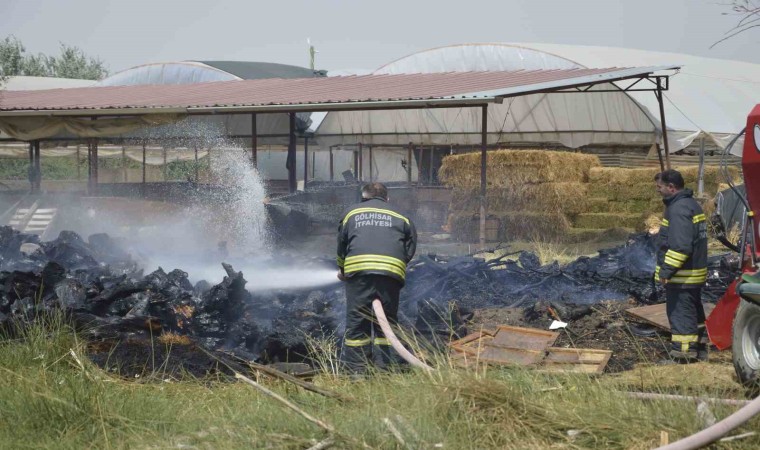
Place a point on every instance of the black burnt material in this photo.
(110, 299)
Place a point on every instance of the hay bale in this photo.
(533, 225)
(569, 198)
(605, 205)
(607, 220)
(614, 175)
(577, 235)
(514, 167)
(512, 225)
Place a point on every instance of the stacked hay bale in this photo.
(627, 197)
(559, 196)
(531, 193)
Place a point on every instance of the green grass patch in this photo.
(52, 397)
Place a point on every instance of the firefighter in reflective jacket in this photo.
(682, 266)
(375, 243)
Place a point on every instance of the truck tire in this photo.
(746, 344)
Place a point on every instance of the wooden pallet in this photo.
(657, 315)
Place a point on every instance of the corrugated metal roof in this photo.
(365, 92)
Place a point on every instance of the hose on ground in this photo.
(382, 320)
(717, 431)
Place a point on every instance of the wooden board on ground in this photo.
(505, 345)
(584, 360)
(657, 315)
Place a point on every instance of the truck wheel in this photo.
(746, 343)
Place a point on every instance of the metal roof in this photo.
(307, 94)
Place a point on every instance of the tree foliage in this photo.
(72, 62)
(748, 12)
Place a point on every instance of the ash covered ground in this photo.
(141, 323)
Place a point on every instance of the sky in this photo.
(359, 34)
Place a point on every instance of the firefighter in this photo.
(375, 243)
(682, 266)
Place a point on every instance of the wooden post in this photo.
(483, 165)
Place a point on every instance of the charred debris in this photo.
(111, 300)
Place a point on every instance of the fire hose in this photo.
(720, 429)
(382, 320)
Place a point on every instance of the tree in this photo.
(71, 63)
(749, 17)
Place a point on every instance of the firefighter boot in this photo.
(684, 352)
(703, 344)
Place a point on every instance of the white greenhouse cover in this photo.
(701, 89)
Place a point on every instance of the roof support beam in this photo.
(290, 163)
(483, 165)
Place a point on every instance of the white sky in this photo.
(361, 34)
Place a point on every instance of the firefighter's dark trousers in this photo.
(364, 341)
(687, 317)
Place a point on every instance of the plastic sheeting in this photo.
(572, 120)
(707, 97)
(32, 128)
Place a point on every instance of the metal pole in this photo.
(361, 162)
(37, 166)
(420, 155)
(483, 165)
(701, 176)
(332, 168)
(290, 163)
(79, 174)
(305, 161)
(143, 165)
(94, 165)
(313, 164)
(254, 142)
(89, 166)
(31, 167)
(124, 163)
(658, 94)
(356, 165)
(196, 163)
(430, 169)
(164, 164)
(409, 165)
(370, 165)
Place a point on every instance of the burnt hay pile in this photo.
(109, 299)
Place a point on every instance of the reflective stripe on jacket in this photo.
(374, 238)
(682, 249)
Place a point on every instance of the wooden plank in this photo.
(584, 360)
(505, 345)
(657, 315)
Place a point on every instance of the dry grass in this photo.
(615, 175)
(515, 167)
